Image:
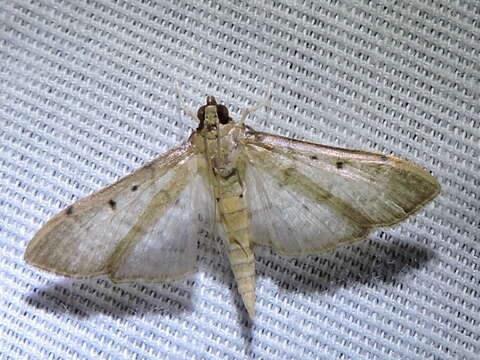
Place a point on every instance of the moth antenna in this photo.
(248, 111)
(183, 105)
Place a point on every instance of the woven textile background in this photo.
(87, 95)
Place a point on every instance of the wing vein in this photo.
(155, 209)
(301, 183)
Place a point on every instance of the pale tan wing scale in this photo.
(307, 198)
(145, 226)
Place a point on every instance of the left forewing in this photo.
(145, 226)
(306, 197)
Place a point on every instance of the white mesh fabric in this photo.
(87, 95)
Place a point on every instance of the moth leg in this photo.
(265, 102)
(183, 105)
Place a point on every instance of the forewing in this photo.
(116, 230)
(168, 250)
(308, 198)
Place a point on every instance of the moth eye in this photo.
(201, 117)
(222, 113)
(201, 113)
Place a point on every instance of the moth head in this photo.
(212, 115)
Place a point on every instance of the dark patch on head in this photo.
(69, 210)
(222, 112)
(218, 199)
(211, 100)
(313, 157)
(134, 187)
(339, 164)
(112, 204)
(201, 117)
(240, 196)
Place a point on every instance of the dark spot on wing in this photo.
(240, 196)
(177, 201)
(69, 210)
(339, 164)
(313, 157)
(306, 207)
(112, 203)
(218, 199)
(384, 158)
(134, 187)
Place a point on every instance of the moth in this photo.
(255, 188)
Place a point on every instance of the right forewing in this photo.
(308, 198)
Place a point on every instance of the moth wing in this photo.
(145, 226)
(308, 198)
